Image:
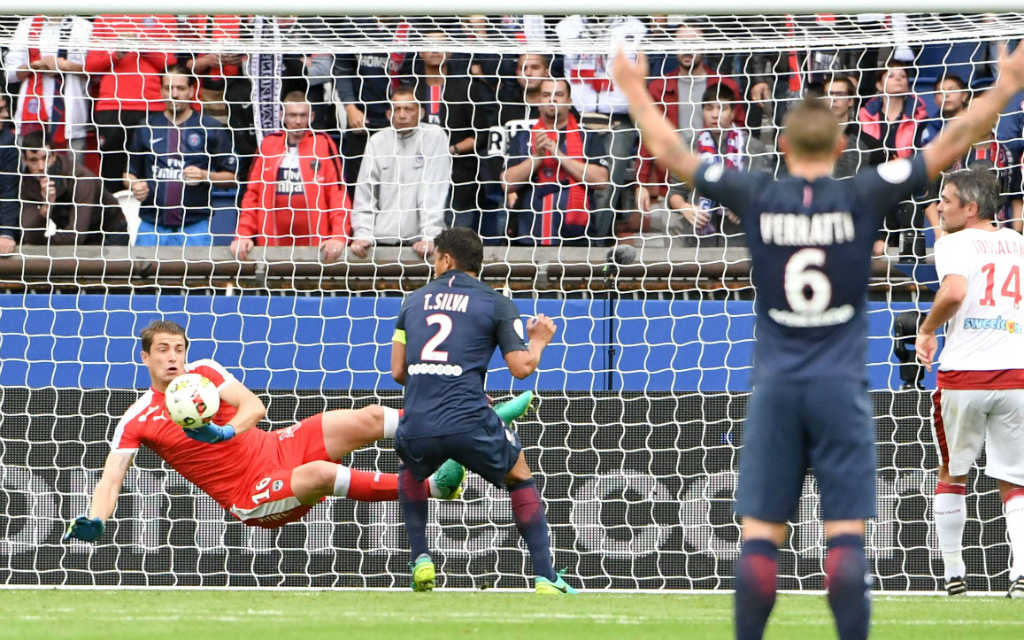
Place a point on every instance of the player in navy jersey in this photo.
(810, 240)
(444, 337)
(174, 161)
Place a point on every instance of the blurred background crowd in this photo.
(231, 145)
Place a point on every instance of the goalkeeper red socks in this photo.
(412, 494)
(849, 586)
(372, 486)
(755, 587)
(528, 511)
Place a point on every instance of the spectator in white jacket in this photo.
(47, 58)
(402, 192)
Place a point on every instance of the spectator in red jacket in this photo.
(128, 84)
(678, 95)
(296, 196)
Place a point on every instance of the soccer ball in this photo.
(192, 400)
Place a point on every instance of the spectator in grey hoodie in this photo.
(404, 180)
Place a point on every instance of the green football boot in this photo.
(423, 573)
(448, 480)
(514, 408)
(543, 585)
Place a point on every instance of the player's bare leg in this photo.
(1013, 510)
(528, 512)
(949, 509)
(344, 431)
(756, 575)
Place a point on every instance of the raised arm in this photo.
(104, 498)
(655, 132)
(250, 408)
(978, 121)
(540, 330)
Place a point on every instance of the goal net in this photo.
(130, 191)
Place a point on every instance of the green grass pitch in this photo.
(352, 615)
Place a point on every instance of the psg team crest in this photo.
(194, 140)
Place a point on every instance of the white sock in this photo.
(950, 512)
(1014, 510)
(341, 481)
(390, 422)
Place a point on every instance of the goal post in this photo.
(643, 392)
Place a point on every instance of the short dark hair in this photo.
(182, 70)
(718, 92)
(161, 326)
(852, 88)
(34, 140)
(464, 246)
(556, 81)
(404, 89)
(954, 78)
(543, 56)
(977, 184)
(894, 64)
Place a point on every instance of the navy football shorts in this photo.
(489, 450)
(825, 425)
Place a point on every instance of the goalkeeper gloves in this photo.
(84, 528)
(211, 433)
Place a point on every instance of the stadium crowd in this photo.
(105, 146)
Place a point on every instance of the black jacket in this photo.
(10, 163)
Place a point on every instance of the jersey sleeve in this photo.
(212, 370)
(222, 156)
(127, 433)
(518, 148)
(888, 184)
(399, 335)
(734, 189)
(596, 150)
(508, 326)
(951, 259)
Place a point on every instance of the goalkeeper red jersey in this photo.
(215, 468)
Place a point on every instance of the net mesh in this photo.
(643, 393)
(767, 32)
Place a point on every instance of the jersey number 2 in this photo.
(430, 351)
(1011, 286)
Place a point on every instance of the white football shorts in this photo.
(964, 420)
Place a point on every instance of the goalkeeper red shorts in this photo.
(265, 497)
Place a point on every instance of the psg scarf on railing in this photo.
(265, 72)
